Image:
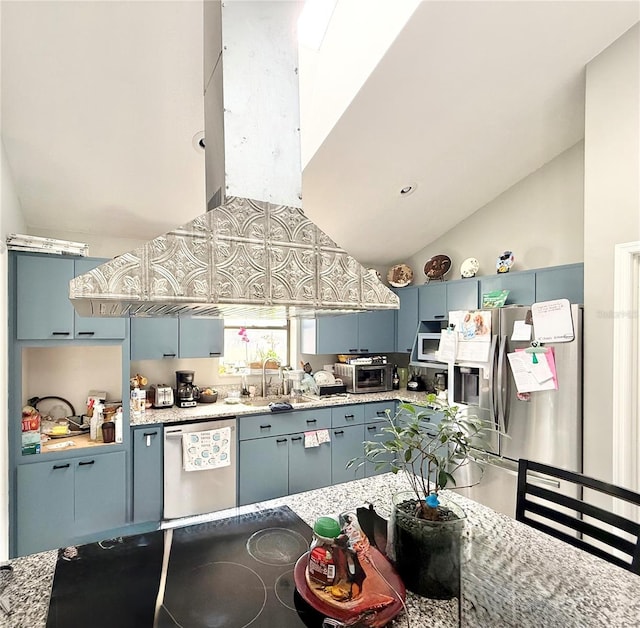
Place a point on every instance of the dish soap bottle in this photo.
(118, 421)
(395, 380)
(95, 427)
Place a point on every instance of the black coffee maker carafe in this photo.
(186, 392)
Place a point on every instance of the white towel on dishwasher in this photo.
(209, 449)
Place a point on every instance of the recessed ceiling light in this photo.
(198, 141)
(408, 189)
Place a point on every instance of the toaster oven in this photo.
(364, 378)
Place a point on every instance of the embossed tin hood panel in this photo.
(254, 253)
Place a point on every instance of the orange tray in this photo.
(375, 619)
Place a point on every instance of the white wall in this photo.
(540, 219)
(611, 216)
(11, 221)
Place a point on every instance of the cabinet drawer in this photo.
(347, 415)
(377, 411)
(274, 424)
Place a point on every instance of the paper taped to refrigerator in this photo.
(552, 321)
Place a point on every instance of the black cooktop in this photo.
(231, 573)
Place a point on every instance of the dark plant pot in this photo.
(427, 554)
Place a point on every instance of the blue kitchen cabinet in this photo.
(62, 501)
(92, 327)
(264, 469)
(147, 473)
(407, 319)
(462, 294)
(376, 331)
(432, 302)
(158, 338)
(45, 502)
(521, 286)
(309, 467)
(347, 436)
(201, 337)
(346, 444)
(560, 282)
(154, 338)
(364, 332)
(44, 311)
(329, 334)
(375, 420)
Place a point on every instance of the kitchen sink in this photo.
(265, 401)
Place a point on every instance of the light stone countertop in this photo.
(222, 409)
(513, 575)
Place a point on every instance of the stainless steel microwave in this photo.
(364, 378)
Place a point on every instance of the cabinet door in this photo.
(407, 319)
(94, 327)
(337, 334)
(147, 473)
(521, 286)
(373, 432)
(346, 444)
(100, 502)
(432, 302)
(154, 338)
(309, 467)
(44, 506)
(264, 469)
(44, 311)
(201, 337)
(462, 295)
(563, 282)
(376, 332)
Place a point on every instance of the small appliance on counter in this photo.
(416, 383)
(186, 392)
(364, 378)
(161, 396)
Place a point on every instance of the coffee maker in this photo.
(186, 393)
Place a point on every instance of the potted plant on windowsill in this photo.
(425, 531)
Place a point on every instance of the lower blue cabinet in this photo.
(373, 432)
(309, 467)
(346, 444)
(263, 468)
(60, 502)
(147, 473)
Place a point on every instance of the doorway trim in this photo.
(626, 359)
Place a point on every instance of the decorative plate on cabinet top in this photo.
(437, 267)
(504, 262)
(400, 276)
(469, 267)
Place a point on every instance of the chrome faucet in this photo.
(264, 376)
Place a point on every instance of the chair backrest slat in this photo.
(574, 518)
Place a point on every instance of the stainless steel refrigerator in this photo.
(545, 426)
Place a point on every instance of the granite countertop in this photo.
(514, 576)
(223, 409)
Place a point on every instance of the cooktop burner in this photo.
(230, 573)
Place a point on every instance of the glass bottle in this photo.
(395, 380)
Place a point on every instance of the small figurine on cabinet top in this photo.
(505, 262)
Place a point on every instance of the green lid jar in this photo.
(321, 566)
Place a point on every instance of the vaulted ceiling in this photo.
(101, 102)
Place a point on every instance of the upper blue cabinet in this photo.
(364, 332)
(561, 282)
(407, 318)
(44, 311)
(436, 299)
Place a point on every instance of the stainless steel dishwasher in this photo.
(188, 493)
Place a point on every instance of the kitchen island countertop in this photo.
(513, 575)
(223, 409)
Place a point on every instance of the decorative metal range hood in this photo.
(254, 253)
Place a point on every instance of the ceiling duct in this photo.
(253, 253)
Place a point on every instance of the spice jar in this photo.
(322, 566)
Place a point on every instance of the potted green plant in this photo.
(429, 444)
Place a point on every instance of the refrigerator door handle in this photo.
(502, 417)
(492, 387)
